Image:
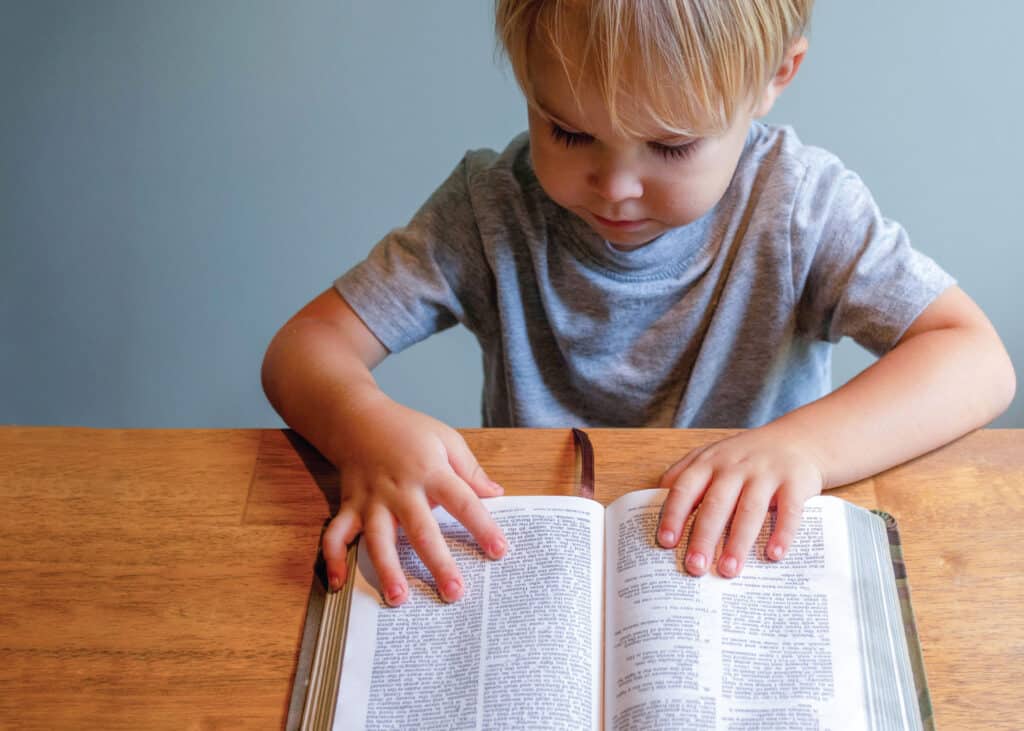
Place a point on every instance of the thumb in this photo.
(465, 465)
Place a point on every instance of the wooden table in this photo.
(158, 579)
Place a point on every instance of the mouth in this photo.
(621, 224)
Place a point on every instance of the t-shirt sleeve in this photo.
(428, 275)
(855, 272)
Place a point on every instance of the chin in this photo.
(631, 239)
(628, 242)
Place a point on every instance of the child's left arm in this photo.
(947, 375)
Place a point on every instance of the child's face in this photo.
(628, 189)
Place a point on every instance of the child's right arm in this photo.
(395, 463)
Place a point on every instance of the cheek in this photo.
(556, 173)
(679, 200)
(685, 198)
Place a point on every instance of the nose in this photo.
(614, 181)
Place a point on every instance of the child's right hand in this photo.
(395, 466)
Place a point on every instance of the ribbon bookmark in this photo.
(584, 464)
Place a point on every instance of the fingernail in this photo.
(696, 561)
(729, 566)
(334, 581)
(498, 549)
(775, 552)
(496, 487)
(450, 591)
(668, 538)
(393, 594)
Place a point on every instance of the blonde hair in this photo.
(689, 65)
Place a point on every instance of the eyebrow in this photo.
(671, 140)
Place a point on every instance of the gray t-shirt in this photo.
(725, 322)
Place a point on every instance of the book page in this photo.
(776, 648)
(521, 649)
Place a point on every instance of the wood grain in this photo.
(158, 579)
(961, 516)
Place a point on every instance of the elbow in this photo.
(1009, 385)
(265, 378)
(268, 373)
(1002, 381)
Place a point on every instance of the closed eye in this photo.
(674, 152)
(569, 139)
(668, 152)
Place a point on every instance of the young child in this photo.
(648, 255)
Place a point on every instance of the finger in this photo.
(747, 520)
(682, 496)
(789, 511)
(381, 536)
(715, 508)
(465, 506)
(672, 473)
(461, 459)
(341, 531)
(426, 539)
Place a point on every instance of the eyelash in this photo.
(668, 152)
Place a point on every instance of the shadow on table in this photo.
(320, 469)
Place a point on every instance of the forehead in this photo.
(565, 92)
(638, 98)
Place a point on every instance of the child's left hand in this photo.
(741, 476)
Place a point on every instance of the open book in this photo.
(587, 624)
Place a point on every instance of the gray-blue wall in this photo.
(178, 177)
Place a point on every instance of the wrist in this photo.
(807, 439)
(352, 409)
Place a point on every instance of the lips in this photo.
(621, 223)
